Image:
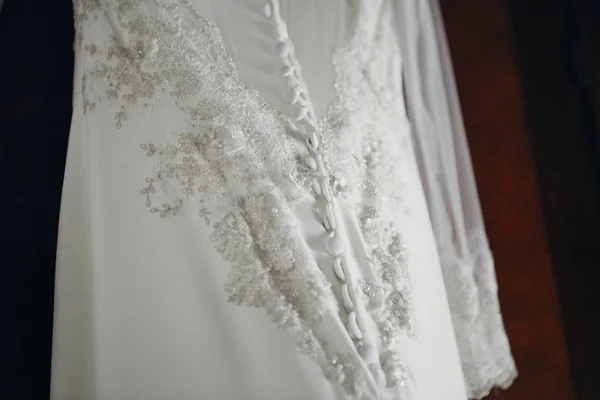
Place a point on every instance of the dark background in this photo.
(36, 73)
(528, 73)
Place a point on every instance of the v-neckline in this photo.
(335, 104)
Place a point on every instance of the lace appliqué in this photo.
(255, 235)
(235, 157)
(368, 117)
(477, 318)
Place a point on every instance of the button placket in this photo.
(303, 114)
(339, 271)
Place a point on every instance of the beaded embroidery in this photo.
(238, 158)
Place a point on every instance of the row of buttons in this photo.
(304, 115)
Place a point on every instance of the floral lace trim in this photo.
(237, 158)
(477, 318)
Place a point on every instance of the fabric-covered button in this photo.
(353, 328)
(268, 10)
(348, 303)
(316, 187)
(339, 271)
(311, 162)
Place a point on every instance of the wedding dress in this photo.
(243, 215)
(448, 181)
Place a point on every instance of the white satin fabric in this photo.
(141, 310)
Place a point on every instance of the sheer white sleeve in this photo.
(449, 184)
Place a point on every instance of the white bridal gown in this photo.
(243, 215)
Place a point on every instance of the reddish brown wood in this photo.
(493, 111)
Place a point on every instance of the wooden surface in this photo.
(490, 94)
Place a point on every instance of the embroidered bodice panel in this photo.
(246, 153)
